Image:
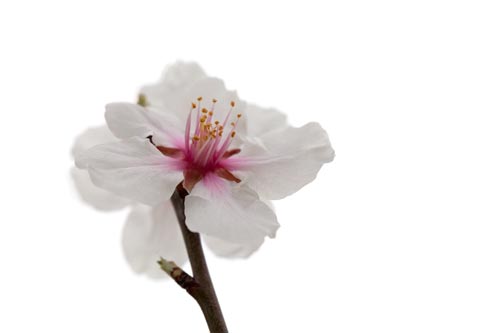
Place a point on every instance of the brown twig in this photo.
(199, 286)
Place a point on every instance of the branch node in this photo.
(182, 278)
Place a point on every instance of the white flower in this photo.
(149, 232)
(231, 157)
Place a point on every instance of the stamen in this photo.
(208, 143)
(188, 131)
(197, 130)
(225, 145)
(204, 153)
(227, 117)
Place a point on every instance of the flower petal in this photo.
(176, 80)
(96, 197)
(151, 233)
(264, 120)
(89, 193)
(227, 249)
(92, 136)
(133, 168)
(232, 213)
(295, 155)
(127, 120)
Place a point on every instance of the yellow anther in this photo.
(204, 110)
(205, 138)
(233, 133)
(221, 128)
(214, 100)
(220, 133)
(216, 122)
(233, 124)
(233, 104)
(202, 120)
(196, 138)
(193, 105)
(210, 113)
(199, 99)
(239, 115)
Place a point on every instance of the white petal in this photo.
(264, 120)
(89, 193)
(96, 197)
(232, 250)
(127, 120)
(175, 82)
(91, 137)
(295, 155)
(133, 169)
(235, 214)
(151, 233)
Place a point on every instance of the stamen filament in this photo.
(188, 131)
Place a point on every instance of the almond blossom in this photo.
(149, 232)
(232, 158)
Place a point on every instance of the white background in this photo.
(399, 234)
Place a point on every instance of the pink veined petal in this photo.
(151, 233)
(286, 161)
(233, 213)
(133, 169)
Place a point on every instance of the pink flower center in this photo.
(206, 146)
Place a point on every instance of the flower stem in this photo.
(203, 290)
